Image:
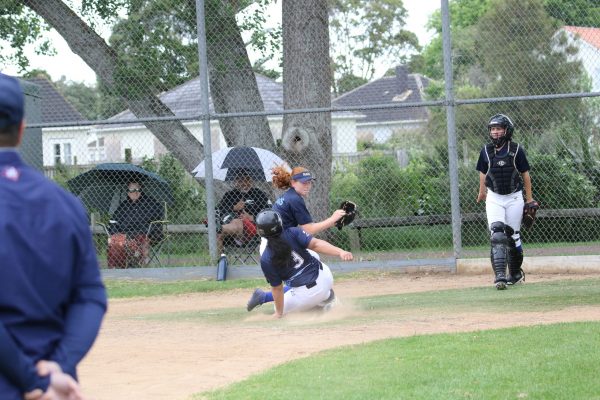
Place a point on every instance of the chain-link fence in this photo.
(176, 87)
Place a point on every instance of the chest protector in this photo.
(502, 176)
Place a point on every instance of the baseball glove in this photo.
(351, 213)
(529, 210)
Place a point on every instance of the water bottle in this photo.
(222, 268)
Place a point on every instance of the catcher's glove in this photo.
(529, 210)
(351, 213)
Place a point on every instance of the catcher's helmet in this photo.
(269, 223)
(505, 122)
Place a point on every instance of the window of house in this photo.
(96, 150)
(57, 152)
(63, 154)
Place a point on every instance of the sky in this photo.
(67, 63)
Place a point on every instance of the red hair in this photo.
(282, 178)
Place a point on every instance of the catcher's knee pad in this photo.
(499, 253)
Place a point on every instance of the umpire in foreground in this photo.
(52, 299)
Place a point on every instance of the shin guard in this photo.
(515, 260)
(499, 253)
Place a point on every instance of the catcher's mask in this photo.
(504, 122)
(269, 223)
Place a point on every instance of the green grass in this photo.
(118, 288)
(403, 308)
(122, 288)
(540, 362)
(532, 297)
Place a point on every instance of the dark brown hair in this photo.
(281, 253)
(9, 136)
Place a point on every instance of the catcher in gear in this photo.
(351, 210)
(503, 182)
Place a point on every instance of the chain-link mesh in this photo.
(378, 140)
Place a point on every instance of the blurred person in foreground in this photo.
(52, 299)
(503, 182)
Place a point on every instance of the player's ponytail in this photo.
(282, 178)
(281, 252)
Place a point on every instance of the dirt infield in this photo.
(143, 353)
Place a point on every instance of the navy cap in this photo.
(304, 176)
(12, 101)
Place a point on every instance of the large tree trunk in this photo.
(87, 44)
(306, 84)
(102, 59)
(232, 81)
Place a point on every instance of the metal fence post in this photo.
(204, 106)
(451, 127)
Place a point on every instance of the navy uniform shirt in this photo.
(292, 209)
(302, 268)
(52, 298)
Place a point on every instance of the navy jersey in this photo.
(521, 162)
(292, 209)
(52, 298)
(301, 269)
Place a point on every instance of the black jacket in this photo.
(133, 218)
(256, 200)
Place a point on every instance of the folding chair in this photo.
(158, 236)
(158, 233)
(242, 254)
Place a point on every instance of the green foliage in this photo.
(527, 62)
(189, 206)
(575, 12)
(155, 47)
(347, 83)
(557, 184)
(383, 189)
(19, 27)
(464, 15)
(364, 32)
(85, 99)
(62, 173)
(267, 42)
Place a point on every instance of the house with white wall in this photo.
(60, 144)
(184, 101)
(379, 125)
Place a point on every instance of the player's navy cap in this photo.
(303, 176)
(12, 102)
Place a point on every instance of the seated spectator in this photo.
(238, 209)
(129, 241)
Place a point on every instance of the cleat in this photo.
(257, 299)
(500, 285)
(331, 298)
(518, 277)
(331, 301)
